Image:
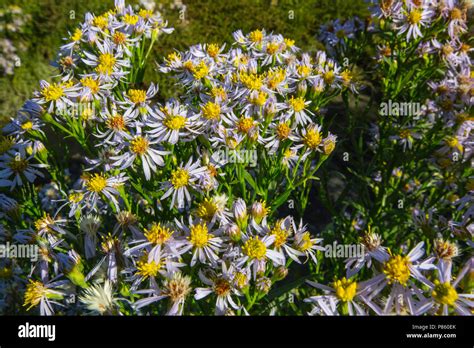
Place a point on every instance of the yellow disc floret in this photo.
(148, 269)
(199, 235)
(397, 269)
(35, 291)
(255, 248)
(312, 138)
(52, 92)
(414, 17)
(106, 64)
(158, 234)
(207, 209)
(174, 122)
(139, 145)
(96, 183)
(444, 293)
(179, 178)
(137, 96)
(211, 111)
(345, 289)
(281, 235)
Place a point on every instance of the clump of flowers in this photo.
(152, 206)
(139, 205)
(416, 54)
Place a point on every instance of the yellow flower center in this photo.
(139, 145)
(211, 111)
(119, 38)
(280, 234)
(251, 81)
(329, 77)
(219, 92)
(145, 13)
(92, 84)
(158, 234)
(245, 124)
(345, 289)
(444, 293)
(289, 153)
(275, 77)
(148, 269)
(179, 178)
(97, 183)
(35, 291)
(456, 14)
(77, 35)
(52, 92)
(297, 104)
(173, 57)
(207, 209)
(199, 235)
(346, 76)
(305, 242)
(255, 248)
(283, 131)
(240, 279)
(130, 19)
(303, 70)
(259, 99)
(397, 269)
(106, 63)
(405, 134)
(174, 122)
(101, 21)
(137, 96)
(312, 138)
(87, 114)
(75, 197)
(212, 50)
(272, 47)
(28, 125)
(328, 145)
(43, 223)
(453, 143)
(289, 42)
(256, 36)
(116, 122)
(200, 71)
(414, 17)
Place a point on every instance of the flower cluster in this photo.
(139, 205)
(422, 62)
(146, 199)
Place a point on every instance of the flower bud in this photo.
(259, 211)
(240, 213)
(234, 232)
(263, 284)
(302, 88)
(280, 273)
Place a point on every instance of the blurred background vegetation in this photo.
(195, 21)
